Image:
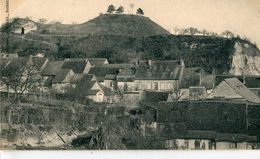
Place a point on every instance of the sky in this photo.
(239, 16)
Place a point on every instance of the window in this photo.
(169, 85)
(155, 86)
(100, 97)
(197, 144)
(148, 85)
(162, 86)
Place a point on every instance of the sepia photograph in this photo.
(130, 75)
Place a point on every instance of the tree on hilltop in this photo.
(191, 31)
(42, 21)
(111, 8)
(120, 10)
(140, 11)
(228, 34)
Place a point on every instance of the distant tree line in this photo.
(194, 31)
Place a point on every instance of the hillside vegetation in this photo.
(125, 38)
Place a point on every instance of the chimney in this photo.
(182, 62)
(244, 79)
(150, 63)
(201, 71)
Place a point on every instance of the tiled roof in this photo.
(242, 90)
(64, 76)
(77, 66)
(208, 81)
(48, 81)
(158, 70)
(52, 68)
(84, 88)
(14, 65)
(191, 77)
(101, 72)
(38, 62)
(97, 61)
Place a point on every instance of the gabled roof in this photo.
(15, 64)
(232, 88)
(241, 89)
(77, 66)
(190, 77)
(39, 62)
(48, 81)
(158, 70)
(52, 68)
(119, 65)
(64, 76)
(101, 72)
(3, 62)
(155, 96)
(208, 81)
(97, 61)
(85, 87)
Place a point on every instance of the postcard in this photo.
(130, 75)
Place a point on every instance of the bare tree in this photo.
(109, 135)
(21, 80)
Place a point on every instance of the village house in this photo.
(105, 75)
(89, 89)
(210, 140)
(78, 65)
(233, 89)
(24, 27)
(251, 82)
(152, 75)
(49, 72)
(176, 126)
(8, 55)
(94, 62)
(39, 62)
(66, 80)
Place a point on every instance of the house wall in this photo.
(131, 86)
(186, 144)
(110, 84)
(28, 27)
(87, 68)
(62, 87)
(156, 84)
(230, 145)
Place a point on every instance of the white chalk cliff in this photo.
(246, 60)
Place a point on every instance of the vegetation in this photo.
(111, 8)
(120, 9)
(125, 38)
(140, 11)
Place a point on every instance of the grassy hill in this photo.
(124, 38)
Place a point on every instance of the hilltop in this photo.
(125, 38)
(105, 24)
